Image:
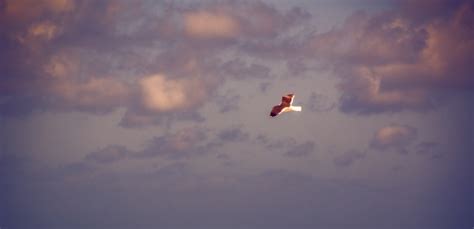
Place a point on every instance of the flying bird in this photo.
(285, 105)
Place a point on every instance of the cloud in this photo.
(272, 144)
(108, 154)
(227, 102)
(203, 24)
(173, 98)
(242, 70)
(430, 149)
(348, 158)
(233, 134)
(182, 144)
(185, 143)
(395, 60)
(40, 32)
(159, 67)
(30, 9)
(247, 19)
(290, 147)
(138, 118)
(61, 54)
(161, 94)
(395, 137)
(301, 150)
(319, 103)
(224, 157)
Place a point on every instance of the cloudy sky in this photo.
(155, 114)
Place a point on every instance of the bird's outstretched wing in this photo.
(276, 110)
(287, 100)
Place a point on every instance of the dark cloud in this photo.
(140, 118)
(223, 156)
(71, 169)
(182, 144)
(108, 154)
(241, 70)
(227, 102)
(348, 158)
(296, 67)
(429, 149)
(277, 144)
(233, 134)
(264, 86)
(301, 150)
(318, 102)
(173, 173)
(289, 146)
(394, 137)
(185, 143)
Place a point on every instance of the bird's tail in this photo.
(296, 108)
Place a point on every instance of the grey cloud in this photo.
(296, 67)
(141, 119)
(430, 149)
(173, 173)
(348, 158)
(73, 169)
(318, 102)
(185, 143)
(241, 70)
(290, 147)
(223, 156)
(284, 178)
(233, 134)
(182, 144)
(301, 150)
(279, 143)
(108, 154)
(264, 86)
(227, 102)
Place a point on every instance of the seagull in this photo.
(285, 105)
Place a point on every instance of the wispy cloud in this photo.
(348, 158)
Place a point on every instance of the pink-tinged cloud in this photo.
(100, 93)
(394, 60)
(39, 32)
(160, 94)
(91, 57)
(395, 137)
(24, 10)
(204, 24)
(86, 93)
(243, 19)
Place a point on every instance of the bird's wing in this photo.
(287, 100)
(276, 110)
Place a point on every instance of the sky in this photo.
(155, 114)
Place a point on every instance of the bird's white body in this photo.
(291, 108)
(295, 108)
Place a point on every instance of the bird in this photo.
(285, 105)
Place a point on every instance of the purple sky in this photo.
(155, 114)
